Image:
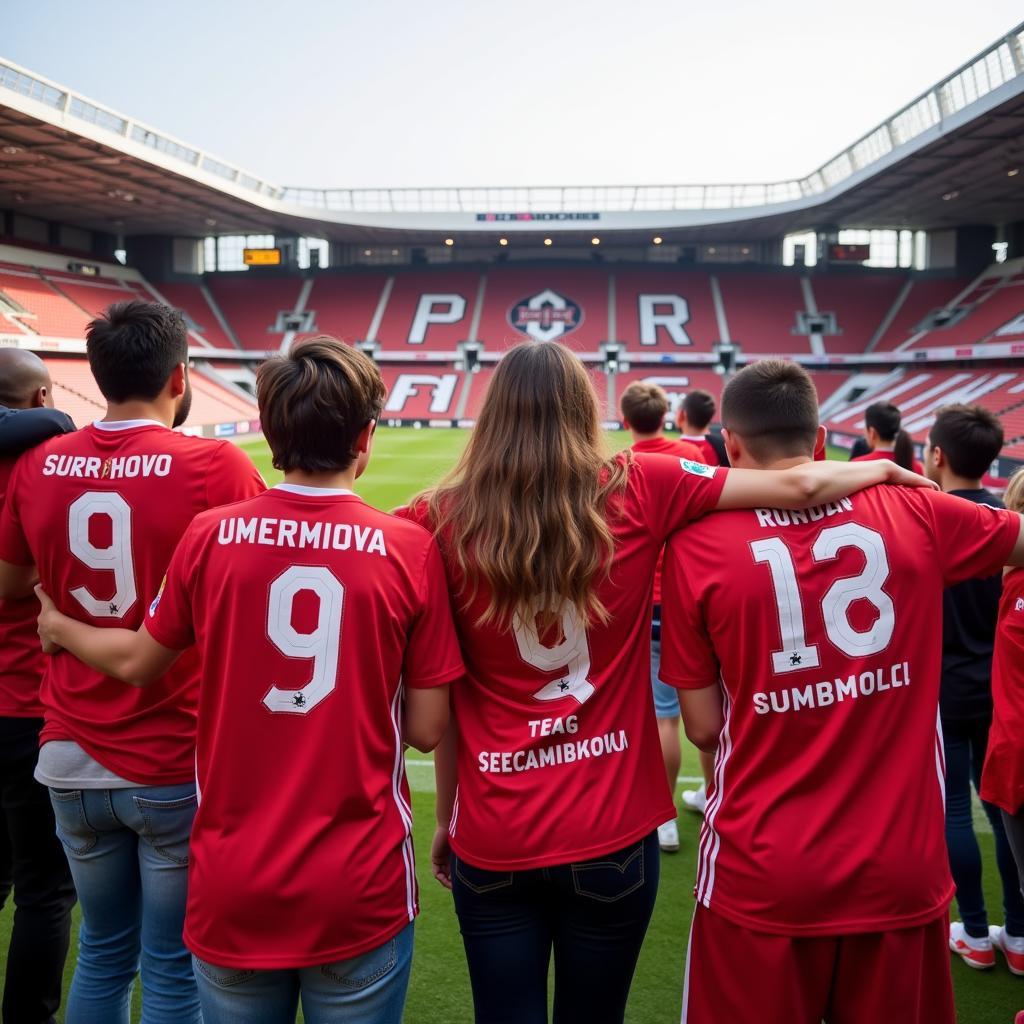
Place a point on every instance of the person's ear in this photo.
(42, 398)
(938, 457)
(821, 442)
(363, 440)
(176, 381)
(625, 424)
(733, 447)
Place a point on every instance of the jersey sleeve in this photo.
(432, 655)
(21, 429)
(971, 540)
(13, 543)
(688, 659)
(231, 477)
(676, 491)
(418, 513)
(169, 617)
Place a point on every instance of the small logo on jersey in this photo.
(795, 659)
(155, 603)
(697, 468)
(113, 608)
(545, 316)
(1019, 606)
(299, 700)
(105, 471)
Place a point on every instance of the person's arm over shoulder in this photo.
(432, 659)
(21, 429)
(971, 540)
(674, 491)
(812, 483)
(688, 659)
(231, 476)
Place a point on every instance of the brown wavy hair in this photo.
(523, 512)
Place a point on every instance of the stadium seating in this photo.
(422, 391)
(859, 302)
(344, 305)
(994, 302)
(693, 287)
(190, 299)
(925, 296)
(761, 308)
(54, 315)
(92, 296)
(405, 325)
(251, 305)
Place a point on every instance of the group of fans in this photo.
(267, 655)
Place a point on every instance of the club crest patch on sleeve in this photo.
(156, 600)
(697, 468)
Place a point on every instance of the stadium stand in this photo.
(760, 309)
(925, 296)
(691, 286)
(423, 391)
(91, 296)
(344, 305)
(579, 304)
(859, 303)
(251, 306)
(189, 298)
(994, 302)
(419, 306)
(51, 314)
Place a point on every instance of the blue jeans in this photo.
(368, 989)
(128, 851)
(593, 914)
(965, 743)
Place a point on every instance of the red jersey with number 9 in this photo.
(311, 611)
(825, 629)
(99, 513)
(559, 758)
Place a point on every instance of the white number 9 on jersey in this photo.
(321, 646)
(572, 654)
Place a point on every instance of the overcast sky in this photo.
(451, 92)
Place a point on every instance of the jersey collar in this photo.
(127, 424)
(313, 492)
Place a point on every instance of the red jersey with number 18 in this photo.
(825, 628)
(99, 513)
(311, 611)
(559, 757)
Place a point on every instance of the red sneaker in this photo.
(976, 953)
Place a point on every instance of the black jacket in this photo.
(21, 429)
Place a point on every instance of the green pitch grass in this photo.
(404, 462)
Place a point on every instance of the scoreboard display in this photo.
(261, 257)
(839, 253)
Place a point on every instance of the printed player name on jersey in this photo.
(294, 533)
(119, 468)
(773, 517)
(833, 691)
(509, 761)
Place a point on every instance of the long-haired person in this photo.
(326, 640)
(1002, 781)
(552, 785)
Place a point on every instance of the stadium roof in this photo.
(953, 156)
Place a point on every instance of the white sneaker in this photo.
(976, 953)
(1012, 947)
(696, 799)
(668, 837)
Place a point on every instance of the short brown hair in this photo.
(699, 407)
(644, 407)
(970, 437)
(315, 401)
(772, 407)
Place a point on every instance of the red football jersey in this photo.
(663, 445)
(874, 456)
(310, 611)
(99, 512)
(704, 446)
(825, 628)
(559, 758)
(21, 658)
(1002, 781)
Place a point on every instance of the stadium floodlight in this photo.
(1013, 172)
(595, 241)
(547, 241)
(657, 239)
(502, 241)
(449, 241)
